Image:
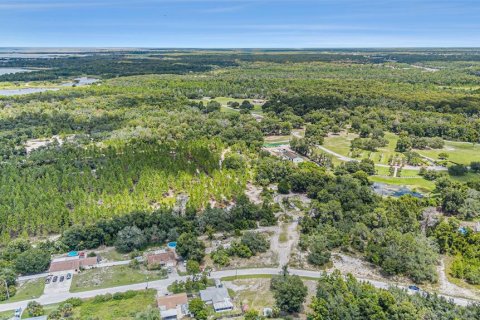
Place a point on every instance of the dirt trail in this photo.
(448, 288)
(285, 248)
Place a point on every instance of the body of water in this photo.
(385, 189)
(78, 82)
(13, 70)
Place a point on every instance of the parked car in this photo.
(414, 288)
(55, 279)
(47, 280)
(69, 276)
(18, 312)
(62, 278)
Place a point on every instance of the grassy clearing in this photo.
(110, 310)
(112, 255)
(341, 145)
(117, 309)
(459, 152)
(30, 289)
(272, 140)
(6, 315)
(100, 278)
(257, 295)
(254, 276)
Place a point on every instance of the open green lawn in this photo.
(459, 152)
(284, 139)
(341, 145)
(117, 309)
(224, 101)
(30, 289)
(108, 310)
(99, 278)
(5, 315)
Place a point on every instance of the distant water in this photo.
(12, 70)
(78, 82)
(19, 92)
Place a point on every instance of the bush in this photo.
(35, 309)
(75, 302)
(457, 170)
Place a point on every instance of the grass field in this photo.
(28, 290)
(341, 145)
(117, 309)
(257, 109)
(459, 152)
(99, 278)
(110, 310)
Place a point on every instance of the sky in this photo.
(240, 24)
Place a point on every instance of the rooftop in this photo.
(214, 295)
(172, 301)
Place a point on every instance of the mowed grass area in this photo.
(341, 144)
(458, 152)
(30, 289)
(286, 138)
(108, 310)
(99, 278)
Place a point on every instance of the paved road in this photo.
(161, 286)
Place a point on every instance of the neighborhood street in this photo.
(161, 286)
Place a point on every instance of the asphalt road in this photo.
(161, 286)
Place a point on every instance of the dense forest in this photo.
(149, 134)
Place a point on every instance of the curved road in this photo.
(161, 286)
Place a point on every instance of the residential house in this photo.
(292, 156)
(218, 297)
(72, 263)
(163, 258)
(173, 306)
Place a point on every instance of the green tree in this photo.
(190, 248)
(32, 261)
(198, 308)
(193, 267)
(289, 291)
(129, 239)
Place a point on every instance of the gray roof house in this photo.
(218, 297)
